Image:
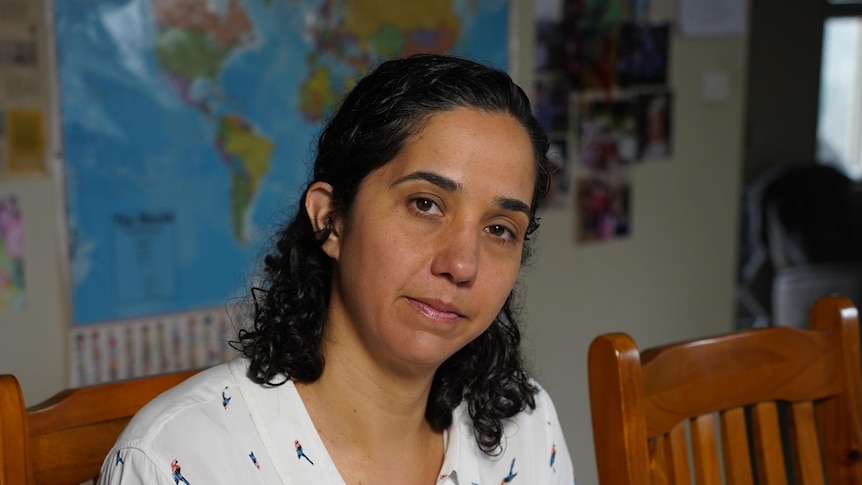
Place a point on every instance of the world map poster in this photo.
(188, 127)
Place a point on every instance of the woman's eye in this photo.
(500, 231)
(425, 205)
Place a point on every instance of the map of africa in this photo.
(187, 128)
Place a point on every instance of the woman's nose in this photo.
(457, 255)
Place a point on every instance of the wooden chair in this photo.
(65, 439)
(742, 405)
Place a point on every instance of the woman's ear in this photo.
(320, 206)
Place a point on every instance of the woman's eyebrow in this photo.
(515, 205)
(441, 181)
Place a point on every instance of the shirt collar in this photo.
(460, 465)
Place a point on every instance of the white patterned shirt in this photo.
(221, 427)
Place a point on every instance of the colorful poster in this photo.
(12, 286)
(147, 346)
(188, 127)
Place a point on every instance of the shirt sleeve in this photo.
(131, 466)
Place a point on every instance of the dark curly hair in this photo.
(371, 126)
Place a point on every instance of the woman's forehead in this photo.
(470, 146)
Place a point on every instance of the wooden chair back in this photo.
(64, 440)
(769, 406)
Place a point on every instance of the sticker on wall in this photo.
(12, 285)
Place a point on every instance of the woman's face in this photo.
(432, 246)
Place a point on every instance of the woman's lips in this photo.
(436, 311)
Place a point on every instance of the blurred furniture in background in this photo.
(721, 402)
(65, 439)
(802, 240)
(796, 288)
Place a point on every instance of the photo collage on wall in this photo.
(601, 91)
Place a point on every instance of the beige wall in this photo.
(671, 280)
(33, 340)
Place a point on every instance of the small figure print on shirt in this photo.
(119, 459)
(299, 452)
(553, 456)
(225, 400)
(254, 459)
(177, 474)
(512, 474)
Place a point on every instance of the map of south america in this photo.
(192, 47)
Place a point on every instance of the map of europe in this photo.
(188, 127)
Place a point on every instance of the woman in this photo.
(384, 346)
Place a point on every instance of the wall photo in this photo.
(603, 207)
(654, 127)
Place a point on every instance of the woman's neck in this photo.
(362, 395)
(372, 420)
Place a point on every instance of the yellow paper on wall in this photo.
(26, 140)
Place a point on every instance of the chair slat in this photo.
(704, 450)
(767, 444)
(658, 465)
(734, 447)
(676, 452)
(804, 439)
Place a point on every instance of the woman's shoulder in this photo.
(186, 403)
(202, 429)
(544, 403)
